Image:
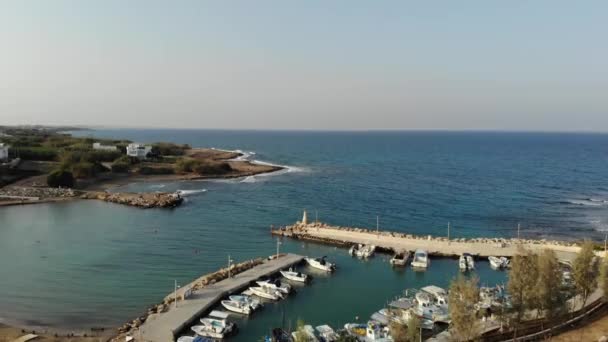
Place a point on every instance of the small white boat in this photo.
(193, 339)
(421, 259)
(466, 262)
(238, 307)
(321, 264)
(498, 262)
(400, 258)
(295, 276)
(252, 302)
(265, 292)
(211, 327)
(308, 331)
(327, 333)
(275, 285)
(354, 248)
(366, 251)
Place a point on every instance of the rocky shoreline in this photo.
(140, 200)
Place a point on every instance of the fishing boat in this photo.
(265, 292)
(238, 307)
(275, 285)
(307, 331)
(372, 331)
(439, 295)
(421, 259)
(400, 258)
(214, 326)
(294, 276)
(327, 333)
(495, 262)
(365, 252)
(193, 339)
(321, 264)
(354, 248)
(466, 262)
(252, 302)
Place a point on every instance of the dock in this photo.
(435, 246)
(163, 327)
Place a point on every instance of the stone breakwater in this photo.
(143, 200)
(38, 192)
(439, 246)
(130, 328)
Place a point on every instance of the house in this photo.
(99, 146)
(3, 151)
(138, 150)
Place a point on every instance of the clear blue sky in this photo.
(509, 65)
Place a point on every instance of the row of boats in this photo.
(217, 326)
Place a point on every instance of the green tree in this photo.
(584, 271)
(550, 299)
(413, 329)
(60, 178)
(301, 335)
(522, 277)
(463, 296)
(603, 277)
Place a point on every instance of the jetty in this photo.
(200, 296)
(435, 246)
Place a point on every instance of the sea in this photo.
(83, 264)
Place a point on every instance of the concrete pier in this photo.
(163, 327)
(435, 246)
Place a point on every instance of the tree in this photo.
(603, 277)
(584, 271)
(301, 335)
(413, 329)
(550, 299)
(60, 178)
(463, 296)
(522, 277)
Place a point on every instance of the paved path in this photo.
(163, 327)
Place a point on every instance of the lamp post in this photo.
(448, 232)
(278, 244)
(175, 292)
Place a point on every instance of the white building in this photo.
(99, 146)
(138, 150)
(3, 151)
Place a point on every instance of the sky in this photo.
(323, 65)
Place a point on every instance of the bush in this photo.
(34, 153)
(186, 165)
(212, 168)
(60, 178)
(168, 149)
(147, 170)
(120, 167)
(83, 170)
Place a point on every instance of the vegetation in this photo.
(60, 178)
(550, 300)
(201, 167)
(169, 149)
(584, 271)
(300, 335)
(522, 277)
(463, 296)
(148, 170)
(603, 277)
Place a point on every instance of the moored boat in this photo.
(307, 331)
(400, 258)
(238, 307)
(321, 264)
(421, 259)
(365, 251)
(275, 285)
(265, 292)
(466, 262)
(295, 276)
(252, 302)
(498, 262)
(193, 339)
(327, 333)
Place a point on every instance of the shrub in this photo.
(60, 178)
(168, 149)
(212, 168)
(147, 170)
(83, 169)
(186, 165)
(120, 167)
(34, 153)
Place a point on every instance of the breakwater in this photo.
(140, 200)
(164, 320)
(437, 246)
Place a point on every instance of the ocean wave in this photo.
(587, 202)
(249, 179)
(190, 192)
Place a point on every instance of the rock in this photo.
(603, 339)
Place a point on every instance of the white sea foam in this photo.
(249, 179)
(588, 202)
(190, 192)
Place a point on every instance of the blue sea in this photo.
(86, 264)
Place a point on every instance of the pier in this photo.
(163, 327)
(435, 246)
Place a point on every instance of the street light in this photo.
(175, 292)
(278, 244)
(229, 264)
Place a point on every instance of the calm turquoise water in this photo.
(87, 263)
